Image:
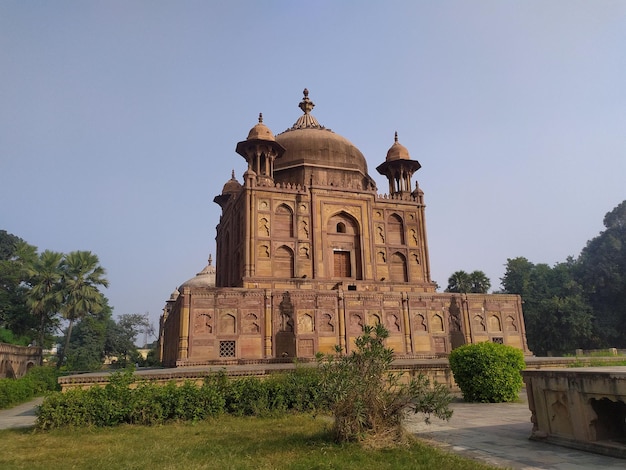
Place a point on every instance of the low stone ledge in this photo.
(582, 408)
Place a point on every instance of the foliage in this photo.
(87, 344)
(149, 403)
(15, 254)
(488, 372)
(475, 282)
(121, 336)
(98, 336)
(580, 303)
(367, 400)
(45, 296)
(7, 336)
(82, 276)
(36, 289)
(557, 317)
(37, 381)
(601, 269)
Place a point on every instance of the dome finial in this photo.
(260, 118)
(210, 259)
(306, 105)
(396, 137)
(232, 175)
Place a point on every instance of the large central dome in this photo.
(311, 148)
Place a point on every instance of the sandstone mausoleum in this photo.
(308, 252)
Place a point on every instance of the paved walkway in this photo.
(497, 434)
(22, 416)
(494, 433)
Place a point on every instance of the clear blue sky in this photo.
(119, 120)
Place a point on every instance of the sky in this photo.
(119, 121)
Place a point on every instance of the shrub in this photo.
(36, 382)
(488, 372)
(44, 379)
(367, 400)
(149, 403)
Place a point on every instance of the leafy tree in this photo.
(8, 245)
(82, 275)
(86, 351)
(97, 336)
(476, 282)
(121, 336)
(601, 269)
(556, 314)
(16, 323)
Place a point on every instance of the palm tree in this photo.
(476, 282)
(82, 274)
(480, 283)
(45, 296)
(459, 282)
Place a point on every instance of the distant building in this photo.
(308, 252)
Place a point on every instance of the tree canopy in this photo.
(578, 303)
(475, 282)
(17, 325)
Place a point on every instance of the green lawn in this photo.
(291, 442)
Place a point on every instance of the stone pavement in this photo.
(494, 433)
(21, 416)
(497, 434)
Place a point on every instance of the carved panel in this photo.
(326, 323)
(305, 323)
(203, 324)
(264, 227)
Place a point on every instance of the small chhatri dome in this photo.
(232, 185)
(260, 131)
(205, 278)
(174, 295)
(397, 151)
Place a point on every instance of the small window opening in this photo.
(341, 227)
(227, 349)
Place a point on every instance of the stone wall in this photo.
(208, 325)
(16, 360)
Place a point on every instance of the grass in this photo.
(597, 363)
(290, 442)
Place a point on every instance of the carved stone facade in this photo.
(15, 361)
(308, 252)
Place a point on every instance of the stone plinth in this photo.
(583, 408)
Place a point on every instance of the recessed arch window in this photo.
(395, 230)
(341, 227)
(283, 222)
(398, 271)
(283, 262)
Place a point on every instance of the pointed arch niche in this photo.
(398, 271)
(282, 262)
(344, 247)
(395, 230)
(283, 222)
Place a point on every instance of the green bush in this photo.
(367, 400)
(36, 382)
(44, 379)
(149, 403)
(488, 372)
